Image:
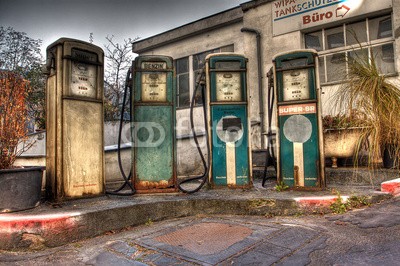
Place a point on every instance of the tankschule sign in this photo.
(293, 15)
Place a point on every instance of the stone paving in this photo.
(368, 236)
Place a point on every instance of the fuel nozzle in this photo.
(201, 78)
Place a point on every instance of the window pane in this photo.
(321, 64)
(314, 40)
(380, 28)
(384, 58)
(336, 67)
(360, 55)
(334, 37)
(182, 65)
(198, 61)
(356, 33)
(183, 91)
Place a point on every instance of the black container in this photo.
(388, 158)
(20, 188)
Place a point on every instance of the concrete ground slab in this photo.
(220, 239)
(52, 225)
(281, 240)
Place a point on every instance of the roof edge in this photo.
(211, 22)
(253, 4)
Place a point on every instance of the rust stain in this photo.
(296, 175)
(206, 238)
(144, 185)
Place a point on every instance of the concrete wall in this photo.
(217, 31)
(111, 130)
(205, 41)
(188, 159)
(258, 15)
(204, 34)
(259, 18)
(230, 34)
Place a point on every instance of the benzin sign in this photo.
(294, 15)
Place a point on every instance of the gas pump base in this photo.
(147, 189)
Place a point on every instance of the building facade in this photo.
(337, 29)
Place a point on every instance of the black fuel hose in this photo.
(270, 158)
(127, 179)
(200, 82)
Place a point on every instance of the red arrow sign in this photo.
(342, 11)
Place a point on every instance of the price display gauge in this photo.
(295, 85)
(83, 79)
(300, 152)
(229, 87)
(228, 130)
(154, 85)
(74, 120)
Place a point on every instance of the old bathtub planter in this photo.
(20, 188)
(341, 142)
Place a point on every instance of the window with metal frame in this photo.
(182, 82)
(187, 71)
(337, 46)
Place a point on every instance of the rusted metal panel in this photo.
(206, 238)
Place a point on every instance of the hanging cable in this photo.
(200, 82)
(127, 179)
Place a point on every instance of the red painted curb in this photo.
(14, 226)
(391, 186)
(319, 201)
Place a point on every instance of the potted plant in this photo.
(344, 134)
(20, 187)
(373, 95)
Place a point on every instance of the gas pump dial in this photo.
(295, 85)
(83, 79)
(228, 87)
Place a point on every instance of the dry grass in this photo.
(378, 100)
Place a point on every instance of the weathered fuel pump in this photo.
(153, 129)
(227, 106)
(74, 120)
(300, 141)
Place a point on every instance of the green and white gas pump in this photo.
(153, 129)
(300, 156)
(227, 107)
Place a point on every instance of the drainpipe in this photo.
(260, 88)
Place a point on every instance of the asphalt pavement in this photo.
(366, 236)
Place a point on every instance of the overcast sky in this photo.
(50, 20)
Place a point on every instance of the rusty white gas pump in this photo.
(300, 157)
(74, 120)
(153, 119)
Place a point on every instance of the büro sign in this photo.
(294, 15)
